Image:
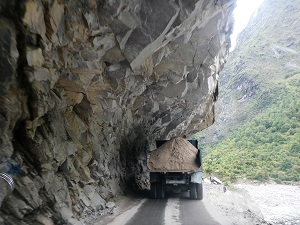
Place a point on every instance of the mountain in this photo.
(258, 105)
(265, 148)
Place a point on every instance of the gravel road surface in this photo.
(247, 204)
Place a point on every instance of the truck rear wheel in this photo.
(199, 188)
(193, 192)
(153, 190)
(160, 191)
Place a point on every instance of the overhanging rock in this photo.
(175, 50)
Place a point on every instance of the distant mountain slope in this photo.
(267, 147)
(267, 52)
(257, 130)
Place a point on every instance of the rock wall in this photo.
(87, 85)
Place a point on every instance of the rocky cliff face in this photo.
(86, 86)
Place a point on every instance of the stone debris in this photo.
(215, 180)
(176, 155)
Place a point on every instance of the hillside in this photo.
(267, 147)
(267, 51)
(257, 113)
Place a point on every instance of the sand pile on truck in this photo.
(176, 155)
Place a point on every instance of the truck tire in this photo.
(153, 190)
(193, 192)
(160, 191)
(199, 188)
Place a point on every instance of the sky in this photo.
(242, 13)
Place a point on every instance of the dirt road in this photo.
(241, 204)
(174, 210)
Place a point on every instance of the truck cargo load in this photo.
(176, 155)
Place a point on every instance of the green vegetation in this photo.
(268, 146)
(291, 75)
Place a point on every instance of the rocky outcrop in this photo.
(86, 86)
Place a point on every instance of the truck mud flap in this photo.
(157, 191)
(193, 193)
(196, 191)
(160, 191)
(153, 191)
(199, 190)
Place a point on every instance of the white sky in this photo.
(242, 13)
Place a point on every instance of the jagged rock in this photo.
(17, 207)
(110, 205)
(66, 213)
(73, 221)
(99, 81)
(35, 57)
(10, 102)
(29, 190)
(142, 180)
(96, 201)
(34, 17)
(44, 219)
(215, 180)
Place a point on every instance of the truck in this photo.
(176, 165)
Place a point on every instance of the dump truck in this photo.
(175, 165)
